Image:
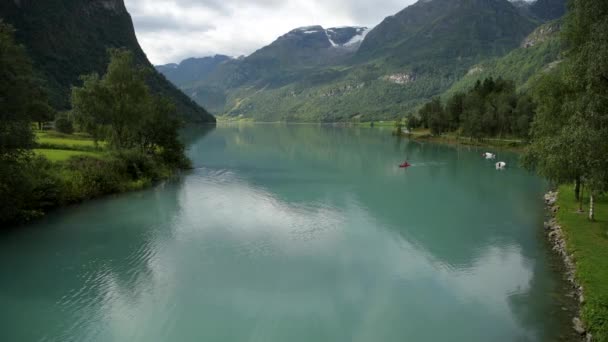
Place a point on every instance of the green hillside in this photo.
(414, 55)
(541, 50)
(70, 38)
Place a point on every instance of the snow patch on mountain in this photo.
(358, 38)
(330, 40)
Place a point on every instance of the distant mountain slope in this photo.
(447, 30)
(537, 53)
(310, 74)
(548, 9)
(292, 56)
(68, 38)
(191, 69)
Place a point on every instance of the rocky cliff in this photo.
(69, 38)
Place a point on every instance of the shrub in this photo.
(64, 125)
(86, 177)
(27, 189)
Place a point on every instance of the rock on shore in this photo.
(556, 237)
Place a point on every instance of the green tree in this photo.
(17, 90)
(523, 115)
(454, 109)
(570, 131)
(120, 108)
(118, 101)
(434, 115)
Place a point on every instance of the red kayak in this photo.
(404, 165)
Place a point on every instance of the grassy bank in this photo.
(58, 147)
(66, 169)
(58, 155)
(453, 139)
(588, 242)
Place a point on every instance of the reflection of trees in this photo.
(75, 256)
(192, 133)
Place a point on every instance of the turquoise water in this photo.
(293, 233)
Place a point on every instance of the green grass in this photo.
(63, 155)
(73, 141)
(588, 242)
(58, 147)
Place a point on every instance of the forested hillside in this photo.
(410, 57)
(69, 38)
(538, 53)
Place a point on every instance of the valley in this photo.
(384, 73)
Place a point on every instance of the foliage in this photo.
(522, 65)
(570, 132)
(119, 108)
(491, 108)
(141, 129)
(64, 125)
(17, 87)
(69, 38)
(40, 111)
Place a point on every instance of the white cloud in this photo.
(171, 30)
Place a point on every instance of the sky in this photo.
(172, 30)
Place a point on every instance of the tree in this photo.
(524, 113)
(454, 109)
(120, 108)
(118, 101)
(17, 89)
(63, 124)
(16, 92)
(413, 122)
(41, 112)
(434, 116)
(570, 131)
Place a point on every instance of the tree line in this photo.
(492, 108)
(139, 130)
(569, 136)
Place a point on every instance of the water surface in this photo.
(293, 233)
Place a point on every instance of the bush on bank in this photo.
(44, 185)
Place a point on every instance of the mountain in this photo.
(312, 45)
(69, 38)
(293, 55)
(447, 30)
(191, 69)
(548, 9)
(540, 51)
(317, 74)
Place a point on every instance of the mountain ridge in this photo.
(69, 38)
(418, 53)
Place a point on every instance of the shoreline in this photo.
(132, 186)
(503, 144)
(555, 236)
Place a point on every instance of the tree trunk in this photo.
(591, 207)
(577, 188)
(580, 199)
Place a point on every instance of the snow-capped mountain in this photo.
(341, 37)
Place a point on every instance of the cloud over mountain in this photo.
(172, 30)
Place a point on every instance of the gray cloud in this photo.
(167, 23)
(170, 30)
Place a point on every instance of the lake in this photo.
(295, 233)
